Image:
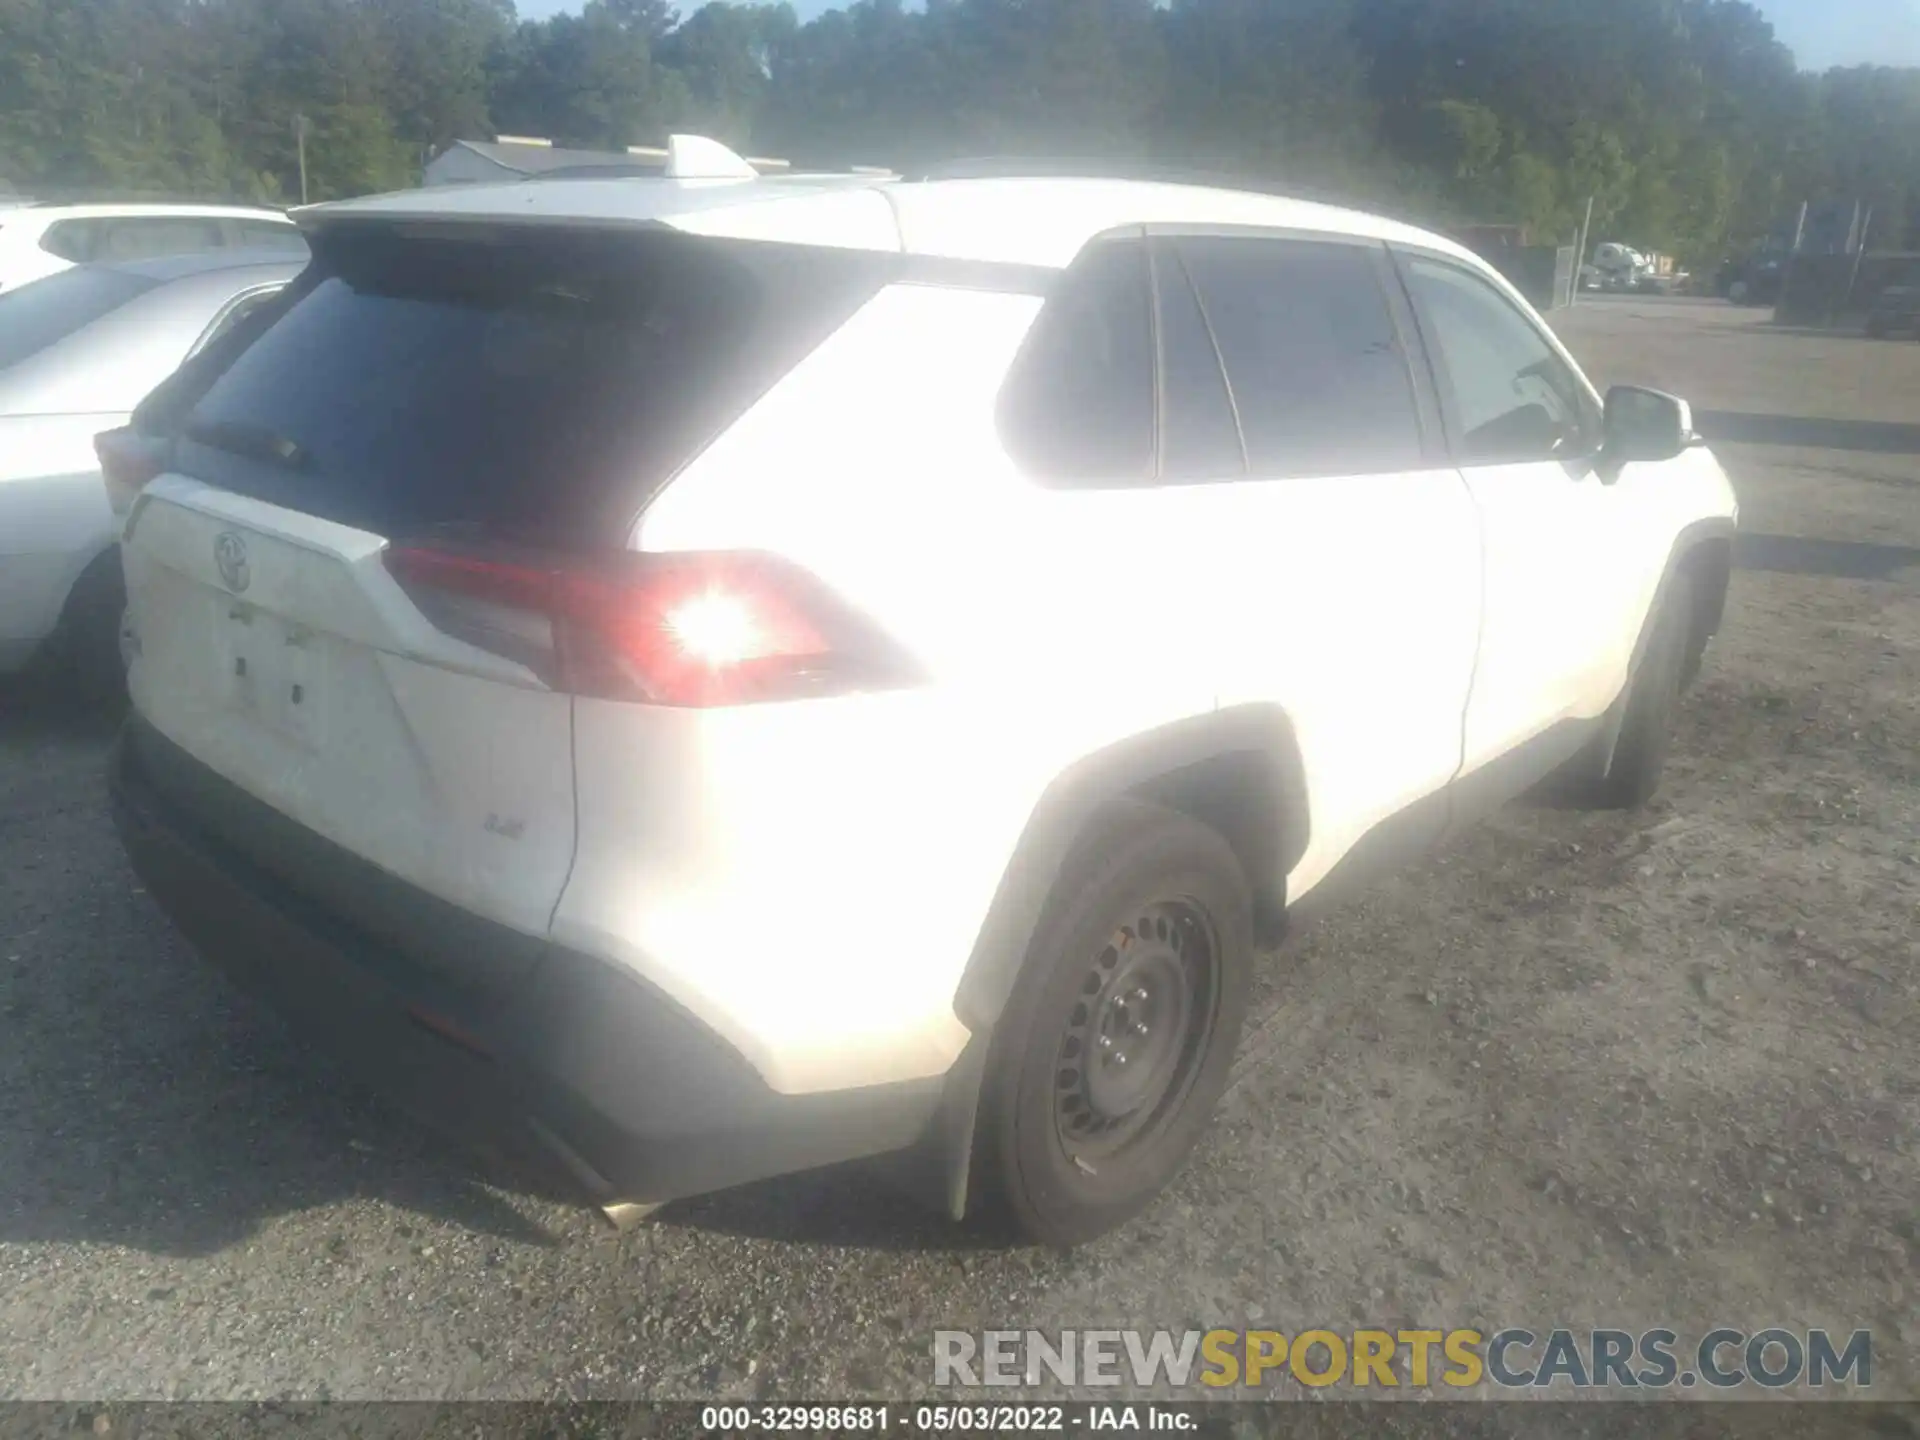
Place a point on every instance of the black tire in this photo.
(90, 627)
(1646, 732)
(1154, 913)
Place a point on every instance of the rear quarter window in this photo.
(1078, 405)
(536, 386)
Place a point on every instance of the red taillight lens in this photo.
(127, 462)
(694, 629)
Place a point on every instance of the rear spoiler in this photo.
(687, 159)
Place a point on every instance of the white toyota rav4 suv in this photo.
(685, 682)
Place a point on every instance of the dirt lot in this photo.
(1651, 1070)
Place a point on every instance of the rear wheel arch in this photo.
(1239, 771)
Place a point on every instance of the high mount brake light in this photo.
(685, 629)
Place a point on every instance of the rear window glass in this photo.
(45, 312)
(533, 386)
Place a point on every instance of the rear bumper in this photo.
(576, 1074)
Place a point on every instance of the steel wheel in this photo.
(1135, 1035)
(1118, 1037)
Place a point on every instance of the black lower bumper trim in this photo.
(576, 1073)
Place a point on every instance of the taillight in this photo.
(127, 462)
(683, 629)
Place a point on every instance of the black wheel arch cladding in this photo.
(1703, 551)
(1236, 770)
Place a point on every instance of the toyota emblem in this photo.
(230, 554)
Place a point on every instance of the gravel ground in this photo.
(1625, 1071)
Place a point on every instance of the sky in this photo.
(1820, 32)
(1847, 32)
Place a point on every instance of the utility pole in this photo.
(1580, 252)
(300, 140)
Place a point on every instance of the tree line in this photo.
(1686, 121)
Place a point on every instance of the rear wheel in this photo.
(1117, 1040)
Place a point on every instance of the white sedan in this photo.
(78, 351)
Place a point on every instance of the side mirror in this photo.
(1645, 426)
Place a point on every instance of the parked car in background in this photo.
(41, 238)
(1895, 309)
(78, 351)
(1755, 280)
(1620, 266)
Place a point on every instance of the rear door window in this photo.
(45, 312)
(1320, 382)
(1199, 433)
(533, 386)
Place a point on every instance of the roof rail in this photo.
(635, 171)
(695, 157)
(1022, 167)
(1056, 167)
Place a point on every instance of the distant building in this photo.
(520, 157)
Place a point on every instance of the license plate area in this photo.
(272, 670)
